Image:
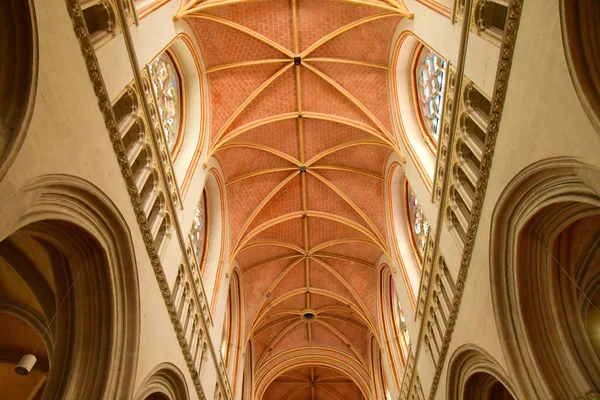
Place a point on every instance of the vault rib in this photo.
(342, 146)
(290, 397)
(344, 338)
(258, 173)
(262, 204)
(346, 61)
(249, 100)
(350, 97)
(248, 127)
(215, 3)
(350, 223)
(295, 375)
(294, 115)
(275, 340)
(344, 283)
(393, 6)
(271, 260)
(295, 25)
(348, 169)
(348, 27)
(344, 258)
(335, 242)
(349, 201)
(194, 7)
(304, 196)
(335, 379)
(330, 392)
(312, 380)
(276, 243)
(295, 312)
(247, 64)
(252, 145)
(274, 284)
(195, 13)
(274, 323)
(253, 235)
(347, 121)
(317, 214)
(265, 311)
(345, 320)
(331, 308)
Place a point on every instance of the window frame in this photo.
(202, 261)
(168, 52)
(432, 144)
(409, 225)
(404, 352)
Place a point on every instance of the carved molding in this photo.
(498, 98)
(87, 49)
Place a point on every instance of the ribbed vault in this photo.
(312, 383)
(301, 125)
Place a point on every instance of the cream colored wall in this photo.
(441, 35)
(67, 135)
(444, 37)
(542, 118)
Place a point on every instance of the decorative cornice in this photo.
(105, 105)
(498, 98)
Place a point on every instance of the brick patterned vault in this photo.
(301, 125)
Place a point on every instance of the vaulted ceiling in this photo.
(302, 127)
(312, 383)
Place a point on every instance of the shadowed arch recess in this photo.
(302, 128)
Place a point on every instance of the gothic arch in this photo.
(409, 124)
(537, 307)
(233, 329)
(580, 31)
(71, 230)
(169, 58)
(187, 152)
(474, 375)
(166, 381)
(313, 356)
(396, 347)
(409, 264)
(217, 235)
(18, 76)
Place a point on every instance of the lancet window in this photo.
(199, 226)
(430, 74)
(167, 88)
(419, 226)
(399, 324)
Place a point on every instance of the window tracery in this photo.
(198, 232)
(167, 88)
(430, 80)
(399, 323)
(419, 226)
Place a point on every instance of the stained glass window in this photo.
(400, 322)
(198, 232)
(418, 221)
(165, 81)
(431, 71)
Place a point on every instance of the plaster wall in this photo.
(542, 118)
(67, 135)
(443, 36)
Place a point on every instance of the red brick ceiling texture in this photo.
(304, 241)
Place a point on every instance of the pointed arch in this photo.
(402, 78)
(91, 251)
(547, 347)
(164, 379)
(474, 374)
